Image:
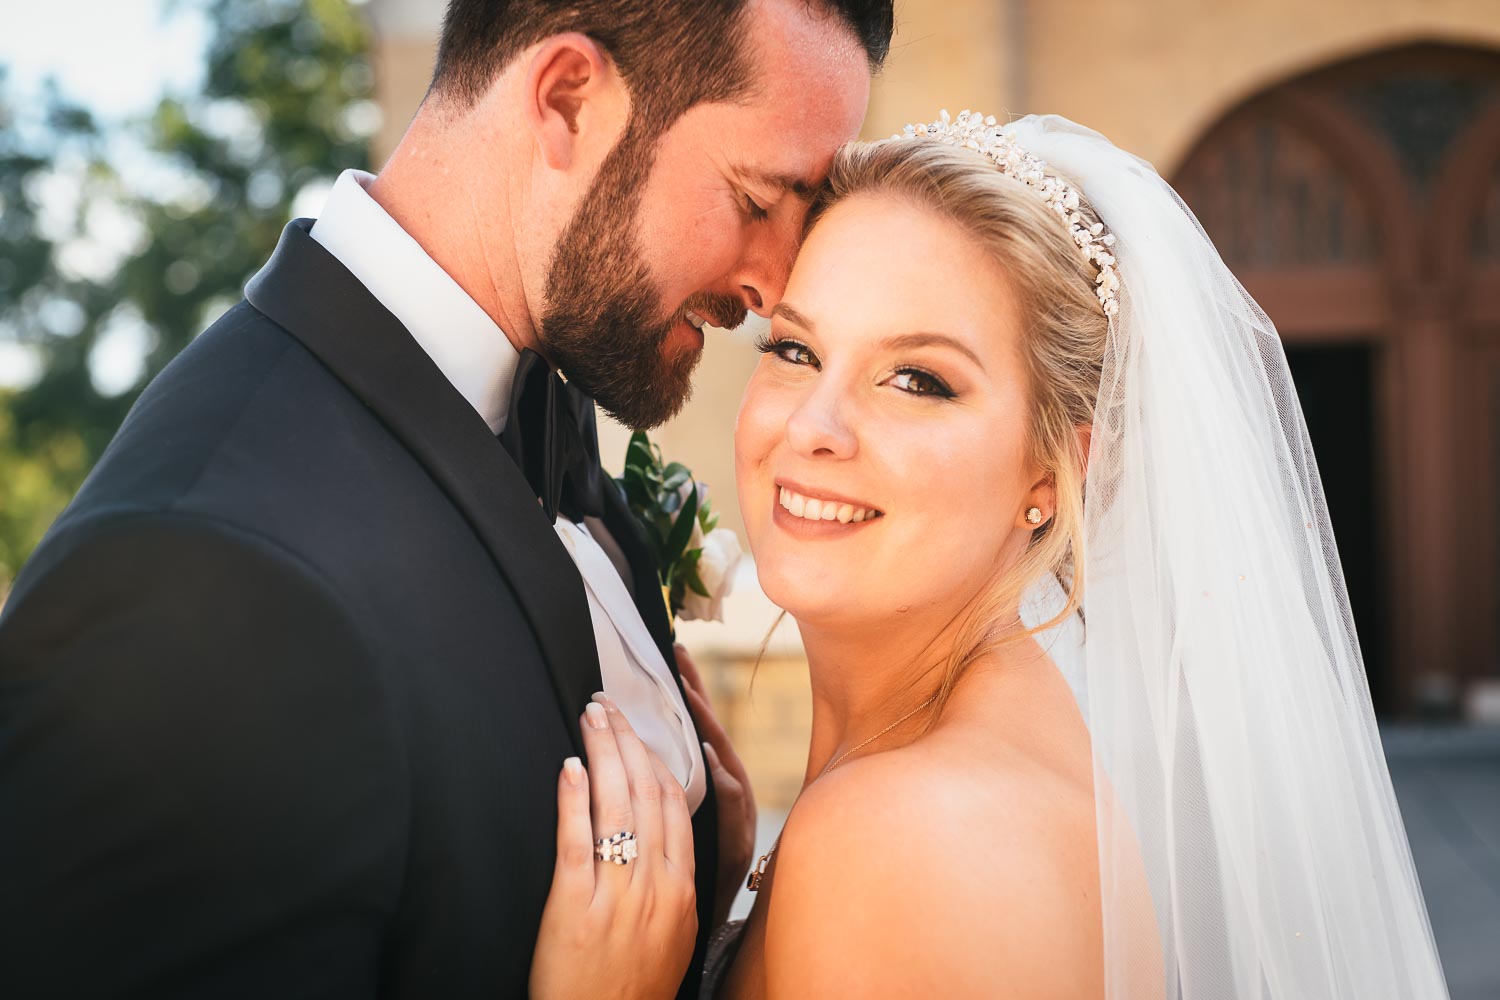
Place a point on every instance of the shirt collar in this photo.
(467, 346)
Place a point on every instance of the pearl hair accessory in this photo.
(981, 134)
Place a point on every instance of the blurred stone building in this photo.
(1345, 157)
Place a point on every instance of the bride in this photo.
(1009, 369)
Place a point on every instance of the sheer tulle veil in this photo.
(1250, 844)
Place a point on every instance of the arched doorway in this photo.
(1360, 205)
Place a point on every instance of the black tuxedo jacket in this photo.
(285, 692)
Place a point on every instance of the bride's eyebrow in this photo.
(911, 341)
(902, 342)
(792, 316)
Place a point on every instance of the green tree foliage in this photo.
(161, 223)
(35, 483)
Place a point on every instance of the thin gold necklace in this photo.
(753, 882)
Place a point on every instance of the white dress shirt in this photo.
(476, 356)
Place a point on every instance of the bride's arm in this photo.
(895, 881)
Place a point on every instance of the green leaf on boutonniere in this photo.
(682, 529)
(674, 511)
(693, 580)
(676, 476)
(641, 452)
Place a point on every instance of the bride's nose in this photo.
(819, 426)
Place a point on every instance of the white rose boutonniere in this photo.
(695, 557)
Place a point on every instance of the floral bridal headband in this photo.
(981, 133)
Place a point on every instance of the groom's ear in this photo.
(576, 102)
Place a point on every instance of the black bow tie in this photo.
(551, 435)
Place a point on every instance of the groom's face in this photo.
(700, 223)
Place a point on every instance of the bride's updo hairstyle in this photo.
(1062, 342)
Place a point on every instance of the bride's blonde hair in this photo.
(1062, 346)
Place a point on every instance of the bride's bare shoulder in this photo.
(937, 870)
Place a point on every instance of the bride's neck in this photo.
(864, 679)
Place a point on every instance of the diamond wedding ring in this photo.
(618, 850)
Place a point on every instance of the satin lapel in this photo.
(631, 538)
(307, 292)
(645, 581)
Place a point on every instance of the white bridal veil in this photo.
(1238, 769)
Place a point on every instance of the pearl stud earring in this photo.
(1034, 516)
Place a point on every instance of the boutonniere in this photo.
(695, 558)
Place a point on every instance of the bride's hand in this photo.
(617, 930)
(731, 790)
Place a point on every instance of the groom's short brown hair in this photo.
(672, 54)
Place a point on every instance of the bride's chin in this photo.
(781, 591)
(810, 604)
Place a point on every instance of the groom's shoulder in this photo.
(243, 376)
(218, 454)
(199, 399)
(244, 420)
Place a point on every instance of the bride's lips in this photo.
(812, 513)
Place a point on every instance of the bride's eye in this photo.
(790, 351)
(919, 383)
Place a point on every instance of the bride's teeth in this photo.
(811, 509)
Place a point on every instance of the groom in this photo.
(285, 692)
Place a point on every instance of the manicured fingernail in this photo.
(603, 699)
(708, 751)
(596, 715)
(573, 771)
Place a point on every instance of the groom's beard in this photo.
(605, 325)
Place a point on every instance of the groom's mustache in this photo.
(723, 311)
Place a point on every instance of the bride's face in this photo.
(892, 393)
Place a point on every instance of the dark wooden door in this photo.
(1360, 205)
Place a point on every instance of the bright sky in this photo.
(113, 56)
